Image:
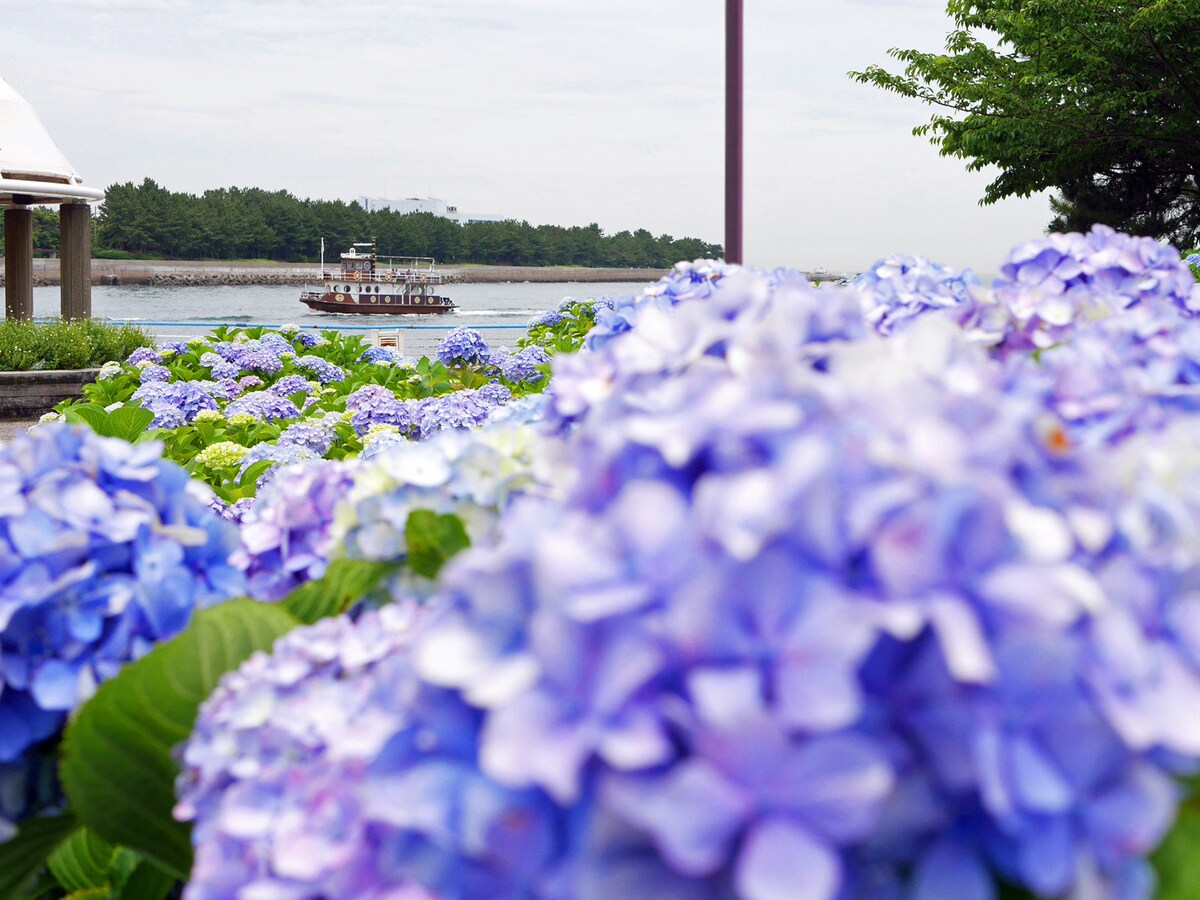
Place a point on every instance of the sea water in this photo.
(500, 311)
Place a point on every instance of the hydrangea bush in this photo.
(288, 395)
(776, 591)
(865, 592)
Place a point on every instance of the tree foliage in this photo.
(248, 223)
(1098, 100)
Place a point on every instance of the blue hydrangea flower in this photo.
(105, 549)
(520, 366)
(462, 346)
(223, 371)
(334, 755)
(154, 372)
(310, 339)
(458, 409)
(175, 346)
(899, 288)
(1050, 284)
(387, 356)
(280, 456)
(315, 436)
(817, 613)
(143, 355)
(263, 405)
(290, 384)
(325, 371)
(189, 397)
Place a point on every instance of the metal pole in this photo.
(733, 131)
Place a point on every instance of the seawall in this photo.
(174, 273)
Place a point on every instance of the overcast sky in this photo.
(553, 111)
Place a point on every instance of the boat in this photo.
(368, 283)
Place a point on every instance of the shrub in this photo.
(31, 346)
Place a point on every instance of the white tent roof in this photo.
(31, 165)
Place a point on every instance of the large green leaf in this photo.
(82, 862)
(129, 422)
(94, 417)
(21, 857)
(117, 767)
(432, 539)
(1177, 860)
(343, 583)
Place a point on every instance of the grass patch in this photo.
(31, 346)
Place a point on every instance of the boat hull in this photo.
(382, 305)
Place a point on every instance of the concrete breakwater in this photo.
(182, 274)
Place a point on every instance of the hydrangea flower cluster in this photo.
(285, 534)
(324, 684)
(520, 366)
(383, 356)
(898, 289)
(1050, 284)
(291, 384)
(822, 614)
(105, 549)
(263, 405)
(143, 355)
(325, 371)
(686, 281)
(463, 346)
(472, 474)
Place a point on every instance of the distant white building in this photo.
(423, 204)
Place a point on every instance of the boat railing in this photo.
(386, 277)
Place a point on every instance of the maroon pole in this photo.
(733, 131)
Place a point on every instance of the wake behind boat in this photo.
(372, 284)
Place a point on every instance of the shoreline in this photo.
(165, 273)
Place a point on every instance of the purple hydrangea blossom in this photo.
(1052, 283)
(290, 384)
(143, 354)
(263, 405)
(189, 397)
(154, 372)
(686, 281)
(310, 339)
(822, 614)
(106, 549)
(249, 382)
(223, 371)
(897, 289)
(387, 356)
(462, 346)
(276, 343)
(258, 361)
(520, 366)
(316, 436)
(285, 535)
(226, 389)
(279, 455)
(325, 371)
(323, 814)
(175, 346)
(458, 409)
(382, 409)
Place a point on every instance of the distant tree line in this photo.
(148, 221)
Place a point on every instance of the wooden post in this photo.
(75, 263)
(18, 262)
